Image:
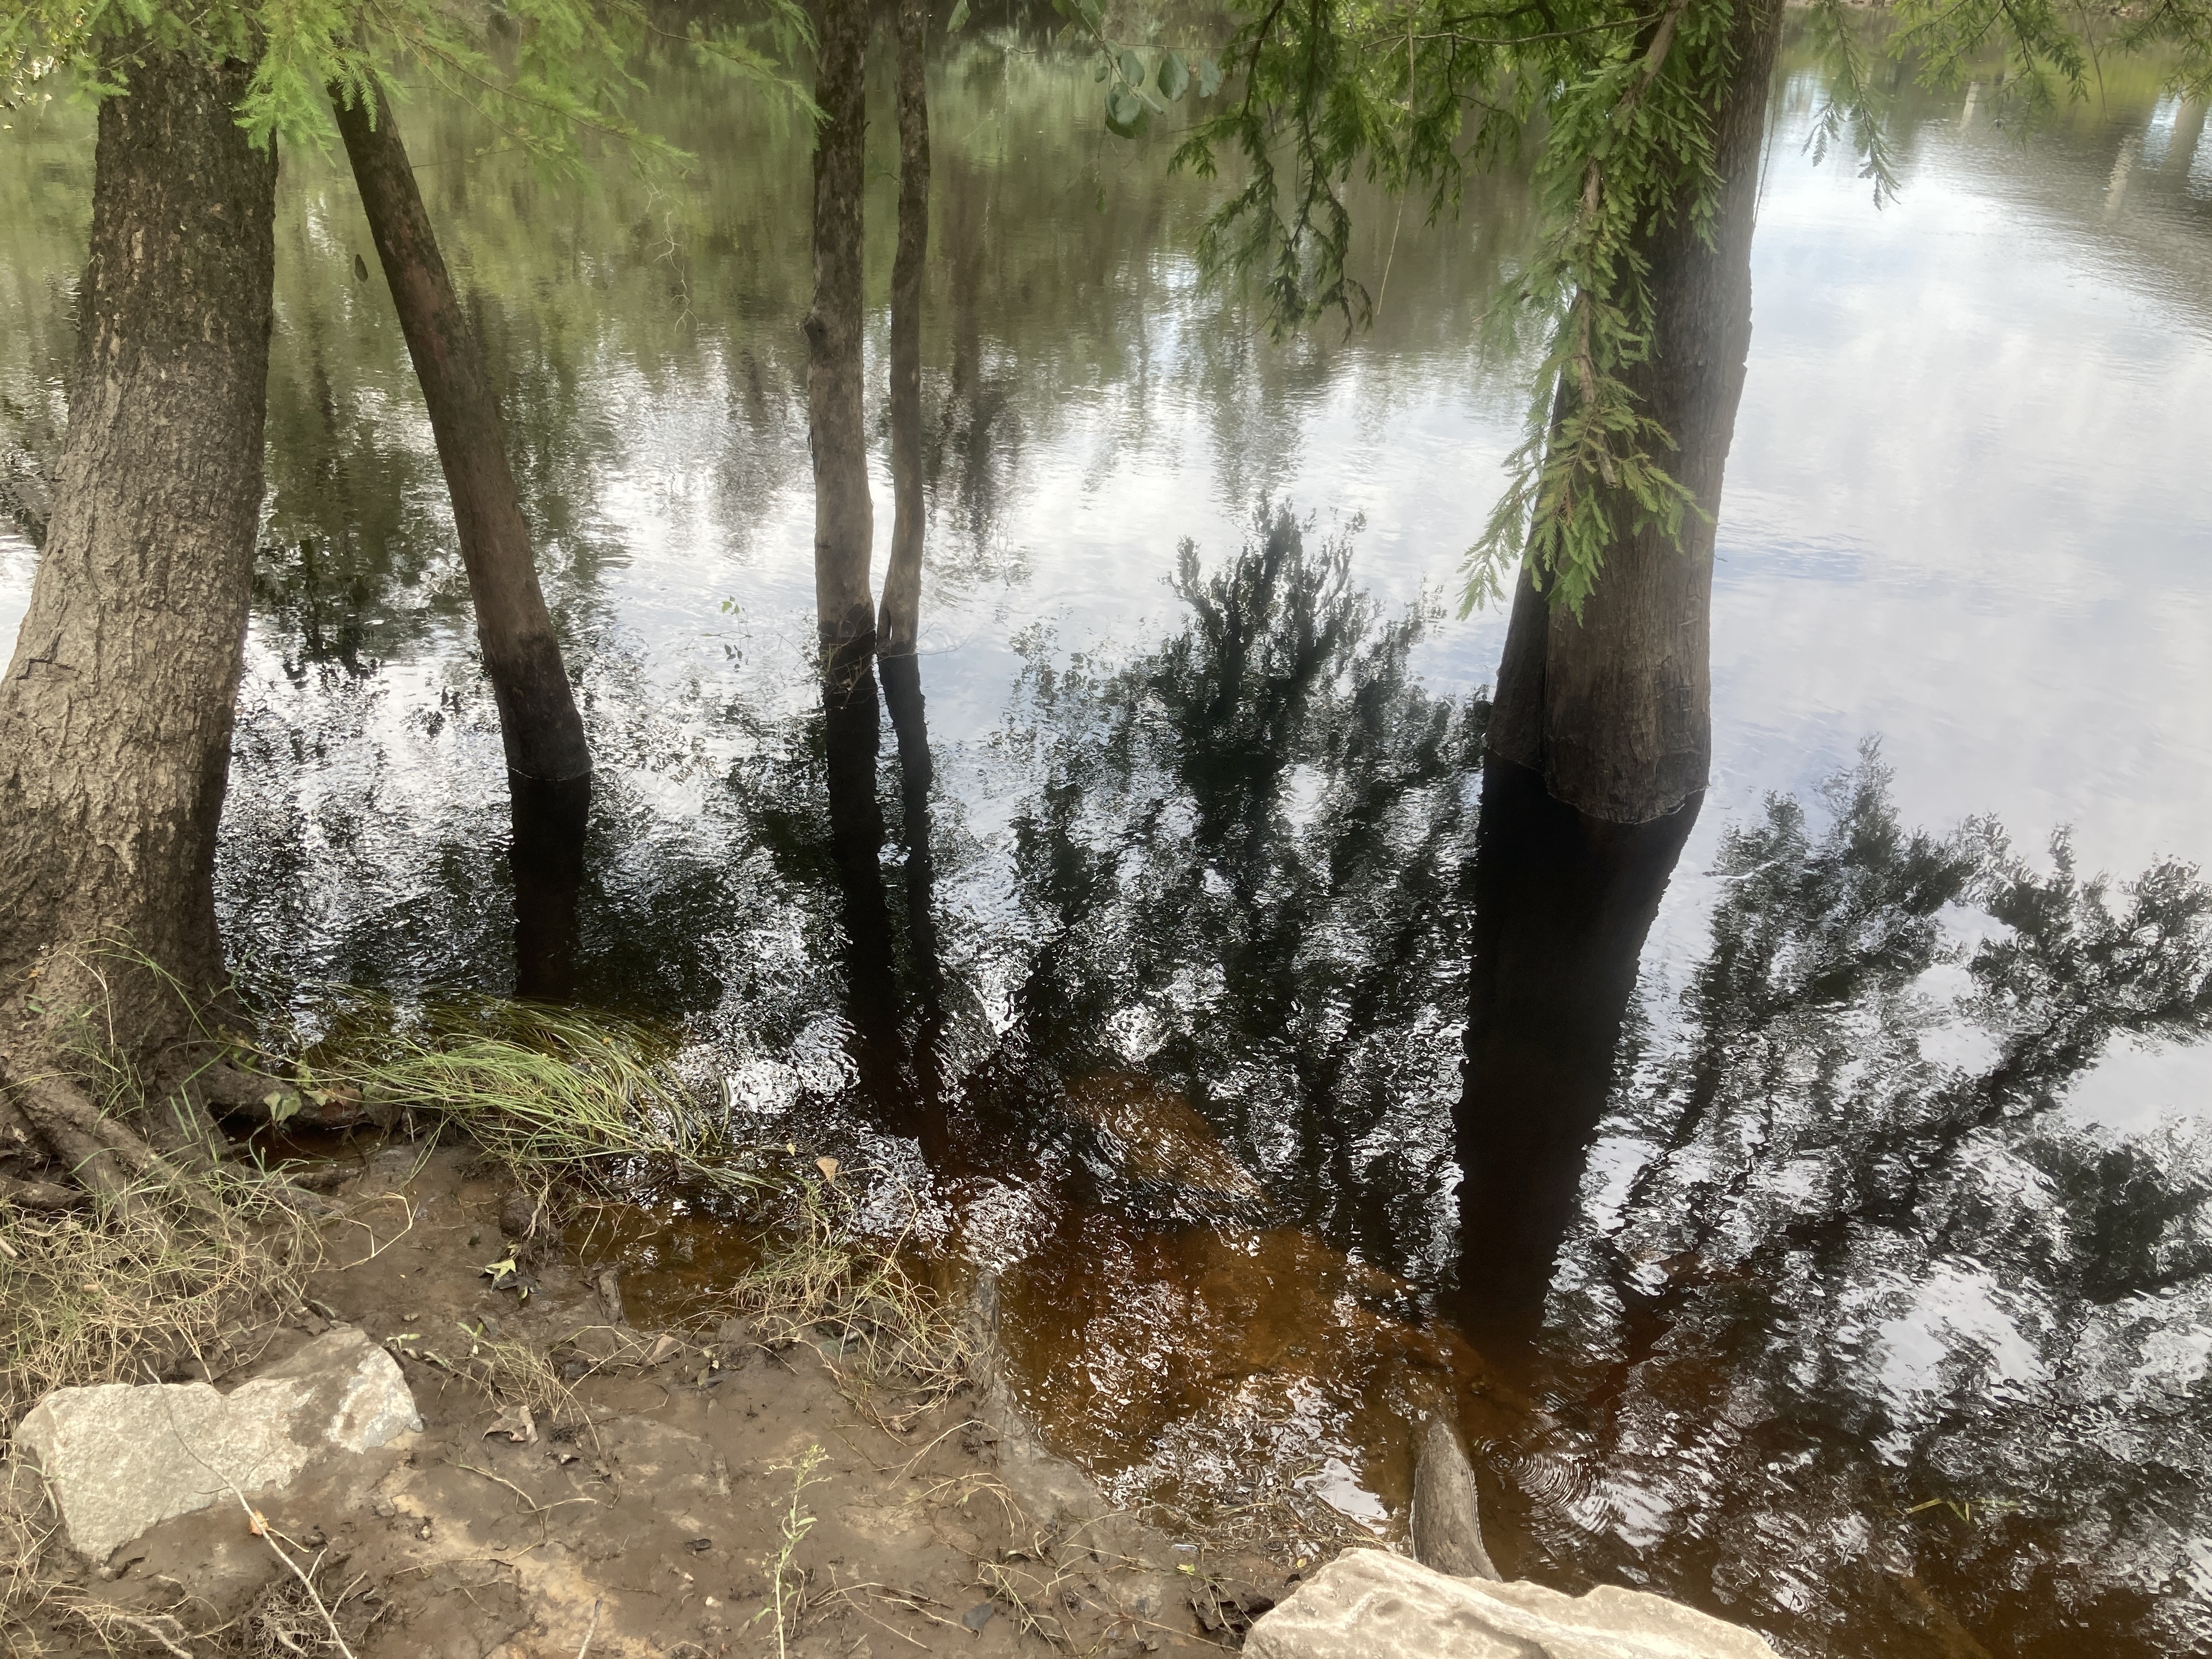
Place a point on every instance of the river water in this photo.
(1882, 1316)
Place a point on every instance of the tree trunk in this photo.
(844, 516)
(538, 717)
(899, 621)
(115, 716)
(546, 858)
(917, 776)
(1614, 708)
(1562, 904)
(853, 739)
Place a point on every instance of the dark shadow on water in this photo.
(852, 742)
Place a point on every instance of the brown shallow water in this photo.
(1866, 1304)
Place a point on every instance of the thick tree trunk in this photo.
(1562, 902)
(538, 717)
(844, 515)
(1614, 708)
(115, 715)
(898, 623)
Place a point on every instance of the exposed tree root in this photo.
(170, 1142)
(100, 1153)
(37, 1194)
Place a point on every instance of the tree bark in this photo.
(844, 515)
(116, 712)
(1614, 708)
(537, 717)
(899, 621)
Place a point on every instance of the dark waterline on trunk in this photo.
(1562, 904)
(546, 860)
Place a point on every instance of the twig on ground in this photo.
(536, 1508)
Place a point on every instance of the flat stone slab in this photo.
(1371, 1604)
(120, 1457)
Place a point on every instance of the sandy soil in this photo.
(653, 1520)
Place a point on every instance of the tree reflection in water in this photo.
(1884, 1302)
(1851, 1336)
(1838, 1324)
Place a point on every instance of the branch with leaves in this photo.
(1617, 100)
(542, 73)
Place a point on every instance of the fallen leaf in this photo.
(829, 1167)
(517, 1424)
(257, 1524)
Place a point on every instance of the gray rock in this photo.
(1370, 1604)
(1446, 1526)
(120, 1457)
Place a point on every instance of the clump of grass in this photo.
(112, 1293)
(548, 1092)
(514, 1373)
(895, 1346)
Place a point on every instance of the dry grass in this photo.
(1279, 1520)
(894, 1345)
(109, 1295)
(98, 1295)
(516, 1374)
(46, 1612)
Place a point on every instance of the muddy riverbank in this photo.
(751, 1484)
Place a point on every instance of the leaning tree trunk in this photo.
(115, 716)
(538, 717)
(1614, 708)
(844, 516)
(898, 621)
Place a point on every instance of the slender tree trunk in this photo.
(538, 717)
(1562, 904)
(917, 775)
(852, 738)
(903, 696)
(1615, 708)
(898, 621)
(116, 712)
(844, 515)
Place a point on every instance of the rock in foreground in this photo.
(1369, 1604)
(119, 1457)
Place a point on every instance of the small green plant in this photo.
(788, 1583)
